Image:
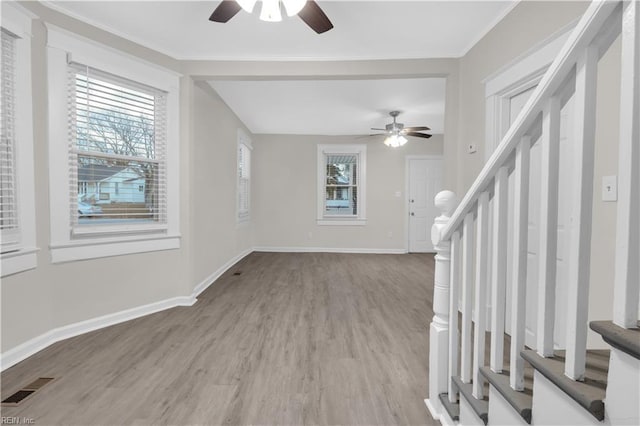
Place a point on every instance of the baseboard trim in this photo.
(329, 250)
(30, 347)
(204, 284)
(38, 343)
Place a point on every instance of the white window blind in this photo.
(117, 151)
(10, 231)
(341, 185)
(244, 181)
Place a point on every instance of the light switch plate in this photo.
(609, 188)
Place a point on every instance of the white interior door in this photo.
(425, 181)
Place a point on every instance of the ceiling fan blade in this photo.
(374, 128)
(314, 17)
(419, 135)
(416, 129)
(226, 10)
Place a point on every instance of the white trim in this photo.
(344, 222)
(30, 347)
(23, 260)
(62, 46)
(93, 249)
(204, 284)
(330, 250)
(361, 151)
(521, 74)
(17, 20)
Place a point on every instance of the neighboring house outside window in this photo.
(121, 136)
(244, 177)
(17, 186)
(341, 184)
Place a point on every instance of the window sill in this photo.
(97, 248)
(19, 261)
(341, 222)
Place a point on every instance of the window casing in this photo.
(17, 188)
(341, 184)
(113, 129)
(244, 178)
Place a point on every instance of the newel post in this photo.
(446, 202)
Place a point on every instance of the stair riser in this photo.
(468, 417)
(551, 406)
(623, 389)
(501, 412)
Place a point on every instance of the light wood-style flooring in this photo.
(296, 339)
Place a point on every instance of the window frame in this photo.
(66, 245)
(23, 255)
(243, 216)
(360, 151)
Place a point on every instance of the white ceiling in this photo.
(334, 107)
(363, 30)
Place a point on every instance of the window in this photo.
(244, 177)
(341, 184)
(117, 145)
(8, 206)
(17, 199)
(113, 120)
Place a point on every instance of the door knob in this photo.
(413, 214)
(412, 201)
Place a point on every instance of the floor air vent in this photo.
(26, 391)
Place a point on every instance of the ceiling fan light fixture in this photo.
(247, 5)
(293, 7)
(395, 141)
(271, 11)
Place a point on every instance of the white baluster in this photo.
(499, 267)
(467, 289)
(480, 304)
(453, 314)
(580, 236)
(548, 225)
(627, 263)
(519, 281)
(445, 201)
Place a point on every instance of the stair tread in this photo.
(479, 406)
(521, 401)
(624, 339)
(452, 408)
(589, 393)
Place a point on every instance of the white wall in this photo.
(527, 25)
(285, 177)
(57, 295)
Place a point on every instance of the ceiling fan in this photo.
(396, 132)
(308, 11)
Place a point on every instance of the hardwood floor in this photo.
(297, 338)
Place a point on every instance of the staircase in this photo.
(481, 375)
